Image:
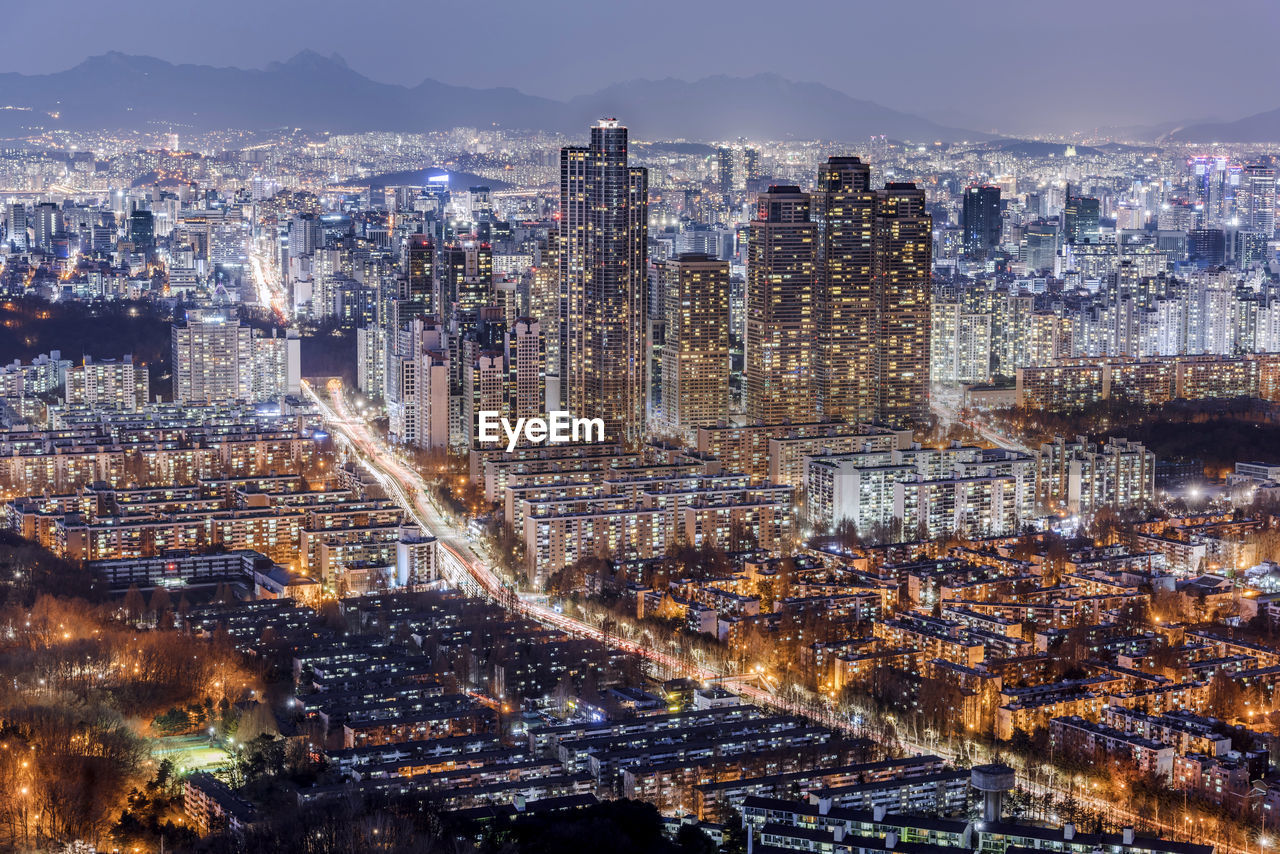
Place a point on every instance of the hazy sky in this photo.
(1012, 64)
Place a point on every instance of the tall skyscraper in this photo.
(480, 203)
(46, 221)
(1039, 245)
(419, 267)
(1080, 219)
(306, 235)
(484, 376)
(142, 230)
(981, 221)
(208, 351)
(844, 211)
(428, 384)
(545, 307)
(413, 295)
(17, 228)
(724, 171)
(526, 390)
(604, 208)
(1207, 246)
(903, 267)
(371, 361)
(780, 346)
(751, 172)
(466, 277)
(1258, 202)
(695, 353)
(838, 293)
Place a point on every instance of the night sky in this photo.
(1016, 65)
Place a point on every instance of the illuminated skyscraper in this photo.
(1258, 200)
(751, 172)
(418, 280)
(466, 277)
(1080, 220)
(425, 412)
(17, 228)
(526, 391)
(142, 229)
(695, 353)
(414, 296)
(838, 290)
(503, 371)
(844, 211)
(1207, 246)
(306, 235)
(604, 211)
(780, 308)
(545, 306)
(46, 221)
(371, 361)
(724, 170)
(1039, 246)
(981, 221)
(903, 247)
(208, 353)
(480, 203)
(484, 380)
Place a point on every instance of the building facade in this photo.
(604, 211)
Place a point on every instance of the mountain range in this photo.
(1260, 127)
(321, 93)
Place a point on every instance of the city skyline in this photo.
(701, 468)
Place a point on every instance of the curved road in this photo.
(457, 559)
(461, 566)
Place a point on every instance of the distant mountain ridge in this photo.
(1260, 127)
(315, 92)
(761, 106)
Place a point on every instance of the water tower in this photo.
(993, 781)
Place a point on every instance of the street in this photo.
(463, 567)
